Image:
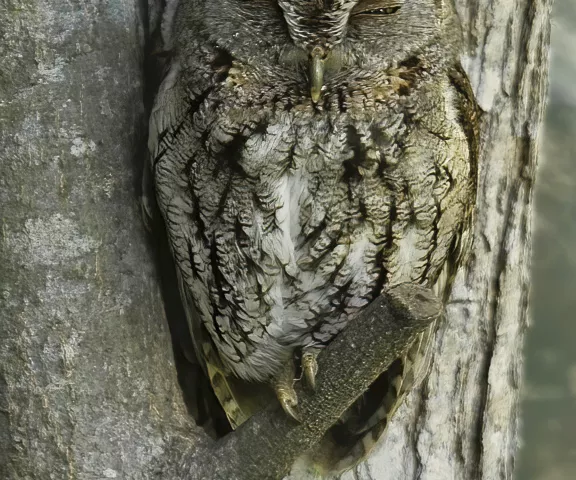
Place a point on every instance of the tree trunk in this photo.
(88, 385)
(463, 422)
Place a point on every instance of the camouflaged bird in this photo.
(307, 154)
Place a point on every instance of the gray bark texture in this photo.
(88, 384)
(88, 387)
(464, 420)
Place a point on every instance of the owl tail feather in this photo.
(219, 393)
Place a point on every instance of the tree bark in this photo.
(463, 422)
(88, 386)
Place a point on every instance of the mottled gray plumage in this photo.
(287, 216)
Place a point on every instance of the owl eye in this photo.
(380, 11)
(377, 7)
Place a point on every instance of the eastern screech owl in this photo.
(306, 154)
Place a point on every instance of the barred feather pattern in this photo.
(285, 222)
(286, 218)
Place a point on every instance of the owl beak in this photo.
(317, 59)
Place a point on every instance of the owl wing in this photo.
(362, 425)
(169, 135)
(238, 399)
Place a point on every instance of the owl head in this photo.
(317, 40)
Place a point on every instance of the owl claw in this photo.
(310, 366)
(289, 401)
(284, 388)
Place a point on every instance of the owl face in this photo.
(321, 39)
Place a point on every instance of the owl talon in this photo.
(310, 366)
(284, 388)
(289, 401)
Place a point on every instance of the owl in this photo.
(306, 155)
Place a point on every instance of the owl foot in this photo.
(310, 366)
(284, 388)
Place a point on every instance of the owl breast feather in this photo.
(285, 224)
